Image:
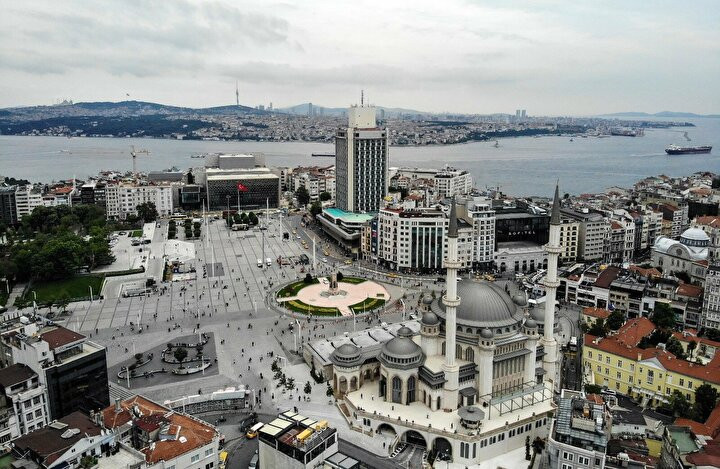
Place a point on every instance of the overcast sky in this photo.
(549, 57)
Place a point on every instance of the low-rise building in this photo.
(580, 432)
(27, 198)
(122, 199)
(451, 182)
(591, 233)
(710, 316)
(166, 438)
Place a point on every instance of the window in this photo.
(195, 458)
(567, 466)
(208, 452)
(584, 460)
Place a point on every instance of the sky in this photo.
(465, 56)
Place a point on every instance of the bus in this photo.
(240, 227)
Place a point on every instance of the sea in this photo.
(522, 166)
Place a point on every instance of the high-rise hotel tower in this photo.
(361, 162)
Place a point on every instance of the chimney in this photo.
(117, 405)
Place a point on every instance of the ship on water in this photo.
(678, 150)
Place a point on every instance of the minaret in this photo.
(551, 282)
(451, 302)
(237, 94)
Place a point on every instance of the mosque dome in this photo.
(486, 333)
(531, 323)
(427, 299)
(520, 299)
(430, 319)
(401, 352)
(482, 304)
(694, 237)
(346, 355)
(405, 331)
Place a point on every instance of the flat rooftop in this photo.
(348, 217)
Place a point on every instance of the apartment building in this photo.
(710, 316)
(315, 179)
(479, 213)
(569, 239)
(23, 403)
(27, 198)
(8, 207)
(122, 199)
(592, 230)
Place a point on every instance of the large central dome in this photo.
(482, 304)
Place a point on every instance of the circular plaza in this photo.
(333, 296)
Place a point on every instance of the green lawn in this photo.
(75, 287)
(136, 233)
(354, 280)
(300, 307)
(368, 304)
(294, 288)
(6, 460)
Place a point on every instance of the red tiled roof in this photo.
(694, 338)
(686, 289)
(651, 272)
(615, 225)
(60, 336)
(596, 312)
(708, 220)
(196, 434)
(607, 276)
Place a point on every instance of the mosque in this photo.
(466, 387)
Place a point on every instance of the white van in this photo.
(260, 264)
(268, 261)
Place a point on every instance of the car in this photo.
(299, 237)
(251, 434)
(348, 262)
(441, 279)
(254, 461)
(122, 233)
(324, 259)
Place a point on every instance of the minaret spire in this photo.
(451, 302)
(553, 250)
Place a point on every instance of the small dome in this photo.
(519, 299)
(347, 351)
(405, 332)
(427, 300)
(401, 353)
(486, 333)
(538, 314)
(695, 234)
(430, 319)
(347, 355)
(531, 323)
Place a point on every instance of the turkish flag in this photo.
(242, 188)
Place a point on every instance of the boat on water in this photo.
(197, 156)
(324, 155)
(678, 150)
(497, 144)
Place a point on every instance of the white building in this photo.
(122, 199)
(711, 304)
(361, 162)
(23, 402)
(480, 213)
(451, 182)
(293, 441)
(591, 235)
(27, 198)
(688, 255)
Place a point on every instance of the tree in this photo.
(325, 196)
(199, 350)
(329, 391)
(598, 328)
(680, 405)
(706, 397)
(691, 346)
(340, 276)
(180, 355)
(283, 379)
(290, 383)
(315, 209)
(592, 389)
(308, 279)
(663, 316)
(673, 346)
(308, 388)
(147, 212)
(615, 320)
(253, 219)
(274, 366)
(138, 357)
(303, 196)
(63, 302)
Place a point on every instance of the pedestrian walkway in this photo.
(17, 291)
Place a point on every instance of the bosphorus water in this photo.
(520, 166)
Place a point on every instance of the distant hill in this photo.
(670, 114)
(124, 108)
(304, 108)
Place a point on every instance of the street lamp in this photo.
(91, 294)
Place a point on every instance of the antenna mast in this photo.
(237, 94)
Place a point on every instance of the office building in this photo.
(93, 192)
(480, 214)
(450, 182)
(8, 207)
(73, 369)
(591, 234)
(240, 182)
(27, 198)
(122, 199)
(23, 402)
(569, 237)
(520, 234)
(580, 432)
(361, 162)
(344, 227)
(711, 304)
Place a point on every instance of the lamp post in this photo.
(91, 294)
(227, 197)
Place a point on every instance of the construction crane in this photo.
(134, 153)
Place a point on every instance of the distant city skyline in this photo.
(460, 56)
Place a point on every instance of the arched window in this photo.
(458, 351)
(397, 390)
(443, 348)
(469, 354)
(383, 386)
(410, 390)
(438, 403)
